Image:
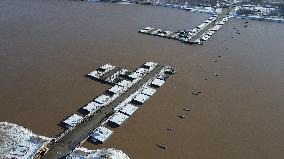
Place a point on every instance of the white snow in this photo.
(110, 153)
(18, 142)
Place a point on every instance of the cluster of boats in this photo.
(122, 80)
(187, 36)
(205, 36)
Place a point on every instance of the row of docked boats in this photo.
(122, 80)
(207, 35)
(186, 36)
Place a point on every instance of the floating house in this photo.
(96, 74)
(107, 67)
(150, 65)
(141, 98)
(163, 76)
(148, 91)
(125, 83)
(118, 118)
(103, 99)
(117, 89)
(114, 78)
(92, 107)
(135, 75)
(157, 82)
(72, 121)
(142, 71)
(101, 71)
(128, 109)
(100, 134)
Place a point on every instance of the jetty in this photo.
(107, 109)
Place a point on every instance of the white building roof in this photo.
(123, 71)
(128, 109)
(151, 65)
(101, 134)
(118, 118)
(125, 83)
(148, 91)
(96, 74)
(73, 120)
(142, 70)
(113, 78)
(158, 82)
(117, 89)
(135, 75)
(107, 67)
(92, 106)
(141, 98)
(103, 99)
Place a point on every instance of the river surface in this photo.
(46, 48)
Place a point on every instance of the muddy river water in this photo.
(46, 48)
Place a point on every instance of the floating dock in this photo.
(115, 106)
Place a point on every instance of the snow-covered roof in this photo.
(148, 91)
(128, 109)
(107, 67)
(96, 74)
(92, 106)
(118, 118)
(135, 75)
(103, 99)
(124, 83)
(123, 71)
(141, 98)
(158, 82)
(142, 70)
(73, 120)
(84, 153)
(100, 134)
(117, 89)
(163, 76)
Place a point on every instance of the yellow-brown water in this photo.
(46, 48)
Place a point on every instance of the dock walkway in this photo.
(224, 12)
(70, 139)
